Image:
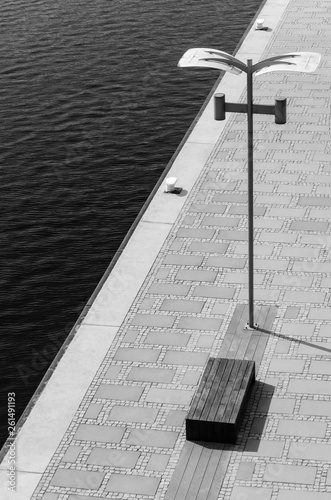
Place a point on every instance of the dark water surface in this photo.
(92, 107)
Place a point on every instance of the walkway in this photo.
(110, 423)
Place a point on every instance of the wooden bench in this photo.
(219, 404)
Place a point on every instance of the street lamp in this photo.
(210, 58)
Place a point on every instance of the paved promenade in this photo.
(110, 422)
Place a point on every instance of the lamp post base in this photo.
(255, 327)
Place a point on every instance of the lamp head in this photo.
(210, 58)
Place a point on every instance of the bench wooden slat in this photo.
(201, 387)
(243, 393)
(206, 389)
(218, 387)
(217, 413)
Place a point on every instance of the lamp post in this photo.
(211, 58)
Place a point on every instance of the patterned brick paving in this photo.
(127, 435)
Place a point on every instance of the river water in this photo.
(92, 107)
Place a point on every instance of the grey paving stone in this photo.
(305, 297)
(287, 365)
(302, 495)
(182, 305)
(113, 458)
(185, 358)
(325, 330)
(195, 275)
(290, 188)
(220, 221)
(275, 199)
(323, 201)
(271, 264)
(93, 410)
(137, 354)
(183, 260)
(260, 294)
(292, 312)
(200, 323)
(288, 280)
(170, 396)
(232, 235)
(300, 252)
(298, 329)
(146, 374)
(231, 198)
(208, 247)
(242, 248)
(234, 277)
(152, 438)
(162, 274)
(319, 312)
(100, 433)
(301, 428)
(311, 267)
(310, 451)
(139, 485)
(51, 496)
(245, 471)
(313, 407)
(310, 386)
(72, 453)
(326, 282)
(119, 392)
(176, 418)
(89, 480)
(258, 425)
(319, 213)
(302, 225)
(268, 223)
(202, 234)
(191, 377)
(243, 210)
(282, 473)
(264, 448)
(113, 372)
(220, 308)
(219, 186)
(276, 405)
(217, 292)
(207, 208)
(320, 368)
(147, 304)
(168, 289)
(250, 493)
(175, 339)
(317, 349)
(229, 262)
(138, 414)
(158, 462)
(205, 341)
(278, 237)
(157, 320)
(131, 335)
